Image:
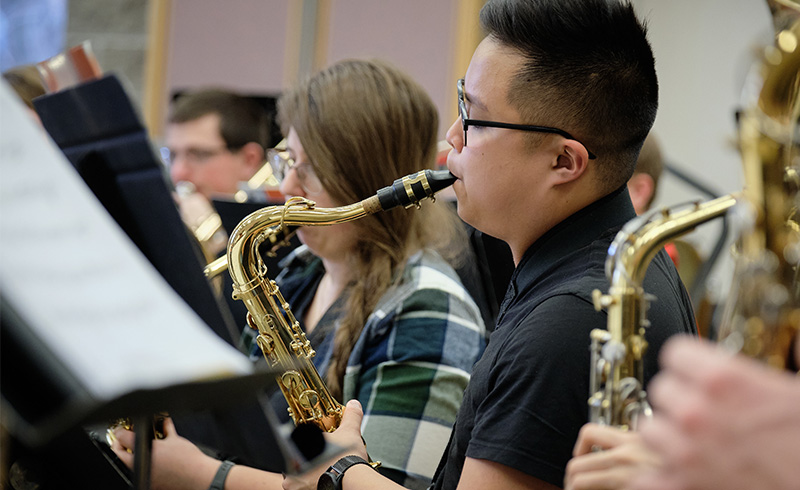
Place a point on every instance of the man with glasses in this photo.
(554, 108)
(215, 140)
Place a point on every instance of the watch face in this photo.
(327, 481)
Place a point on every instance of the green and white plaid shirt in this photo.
(411, 364)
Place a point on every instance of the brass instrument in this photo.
(763, 313)
(201, 219)
(616, 384)
(207, 228)
(280, 338)
(127, 424)
(264, 183)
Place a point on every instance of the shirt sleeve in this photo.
(537, 399)
(411, 380)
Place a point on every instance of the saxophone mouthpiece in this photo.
(411, 189)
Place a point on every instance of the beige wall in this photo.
(253, 45)
(703, 49)
(236, 43)
(415, 35)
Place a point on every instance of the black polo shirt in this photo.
(527, 398)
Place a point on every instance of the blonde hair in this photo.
(650, 162)
(363, 124)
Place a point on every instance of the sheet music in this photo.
(82, 285)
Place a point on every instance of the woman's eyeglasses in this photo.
(281, 162)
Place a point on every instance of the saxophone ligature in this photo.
(616, 385)
(280, 338)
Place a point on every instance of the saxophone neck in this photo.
(270, 223)
(641, 238)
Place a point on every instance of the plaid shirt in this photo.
(411, 364)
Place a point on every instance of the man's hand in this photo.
(622, 458)
(722, 421)
(347, 436)
(177, 464)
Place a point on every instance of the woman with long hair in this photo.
(378, 298)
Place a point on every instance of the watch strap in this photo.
(218, 483)
(336, 471)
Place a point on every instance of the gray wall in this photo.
(117, 30)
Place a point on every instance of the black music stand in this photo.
(80, 327)
(100, 133)
(52, 415)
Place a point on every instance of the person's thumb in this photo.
(168, 428)
(353, 413)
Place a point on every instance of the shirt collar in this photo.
(575, 232)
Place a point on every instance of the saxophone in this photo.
(616, 384)
(282, 342)
(762, 316)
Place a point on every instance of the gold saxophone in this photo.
(616, 385)
(280, 338)
(763, 312)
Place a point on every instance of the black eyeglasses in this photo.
(466, 122)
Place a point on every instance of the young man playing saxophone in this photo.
(554, 108)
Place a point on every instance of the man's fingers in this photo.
(595, 436)
(124, 437)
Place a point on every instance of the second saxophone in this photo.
(616, 383)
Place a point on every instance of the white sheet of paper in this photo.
(82, 285)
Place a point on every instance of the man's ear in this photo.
(254, 158)
(641, 187)
(571, 161)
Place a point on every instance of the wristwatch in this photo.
(332, 479)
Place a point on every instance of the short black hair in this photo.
(588, 69)
(241, 119)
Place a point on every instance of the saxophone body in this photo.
(282, 341)
(617, 396)
(762, 315)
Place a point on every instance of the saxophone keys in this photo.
(601, 300)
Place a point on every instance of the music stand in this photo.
(87, 334)
(100, 133)
(62, 403)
